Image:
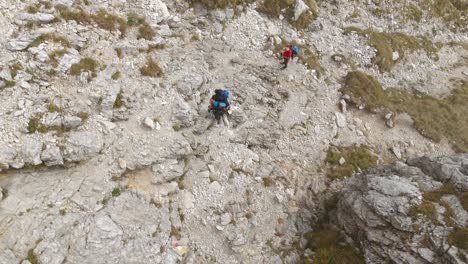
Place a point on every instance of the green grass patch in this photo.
(447, 189)
(388, 42)
(32, 258)
(103, 19)
(120, 53)
(53, 108)
(221, 4)
(449, 214)
(51, 37)
(459, 238)
(175, 232)
(9, 84)
(426, 208)
(116, 75)
(85, 64)
(275, 8)
(151, 69)
(15, 68)
(452, 12)
(116, 192)
(434, 118)
(356, 157)
(119, 101)
(327, 243)
(33, 9)
(55, 55)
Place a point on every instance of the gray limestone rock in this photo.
(31, 151)
(82, 146)
(52, 156)
(7, 156)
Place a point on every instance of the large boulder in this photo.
(399, 213)
(82, 146)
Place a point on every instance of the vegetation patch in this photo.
(221, 4)
(356, 158)
(103, 19)
(452, 12)
(15, 68)
(386, 43)
(55, 55)
(151, 69)
(447, 189)
(116, 75)
(327, 243)
(116, 192)
(427, 209)
(175, 232)
(145, 31)
(32, 258)
(434, 118)
(51, 37)
(119, 101)
(85, 65)
(275, 8)
(459, 238)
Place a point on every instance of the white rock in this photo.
(342, 161)
(395, 55)
(340, 119)
(225, 219)
(52, 156)
(396, 150)
(31, 151)
(148, 122)
(299, 9)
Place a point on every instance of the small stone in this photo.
(226, 218)
(395, 55)
(343, 105)
(148, 122)
(122, 163)
(340, 120)
(220, 228)
(388, 116)
(396, 150)
(341, 161)
(389, 123)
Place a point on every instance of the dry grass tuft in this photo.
(356, 158)
(151, 69)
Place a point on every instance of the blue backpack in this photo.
(224, 93)
(295, 50)
(218, 105)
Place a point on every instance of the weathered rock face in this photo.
(380, 210)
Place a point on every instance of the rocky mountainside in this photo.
(109, 155)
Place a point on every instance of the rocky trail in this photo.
(109, 155)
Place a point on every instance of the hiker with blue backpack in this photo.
(295, 52)
(219, 105)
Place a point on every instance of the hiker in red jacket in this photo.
(287, 54)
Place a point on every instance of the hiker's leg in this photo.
(225, 120)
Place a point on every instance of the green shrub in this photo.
(14, 68)
(151, 69)
(116, 192)
(86, 64)
(55, 55)
(145, 31)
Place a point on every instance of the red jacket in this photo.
(287, 54)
